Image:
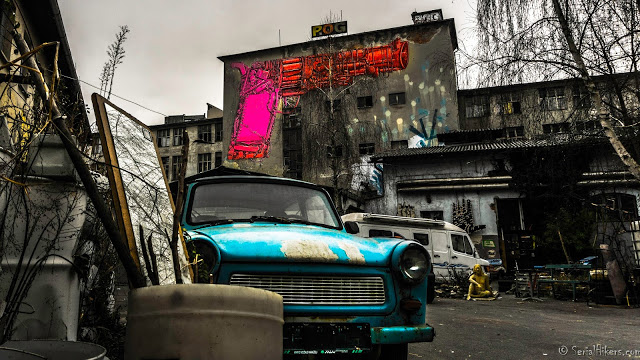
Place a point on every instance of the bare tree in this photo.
(331, 136)
(116, 55)
(594, 40)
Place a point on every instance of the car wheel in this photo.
(394, 352)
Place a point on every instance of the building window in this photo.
(397, 99)
(367, 148)
(204, 133)
(581, 97)
(164, 137)
(165, 165)
(336, 105)
(204, 162)
(218, 159)
(176, 161)
(514, 132)
(555, 128)
(334, 152)
(553, 98)
(399, 144)
(616, 207)
(217, 127)
(510, 104)
(177, 136)
(477, 106)
(291, 119)
(587, 126)
(365, 102)
(430, 214)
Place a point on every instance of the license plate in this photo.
(326, 338)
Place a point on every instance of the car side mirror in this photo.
(351, 227)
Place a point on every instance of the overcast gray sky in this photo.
(171, 63)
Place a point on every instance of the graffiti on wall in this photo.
(265, 83)
(462, 217)
(406, 210)
(367, 175)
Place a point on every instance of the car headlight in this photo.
(414, 263)
(207, 257)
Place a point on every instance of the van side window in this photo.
(458, 242)
(422, 238)
(468, 247)
(380, 233)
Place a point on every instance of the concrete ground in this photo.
(513, 328)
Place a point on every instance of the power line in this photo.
(119, 97)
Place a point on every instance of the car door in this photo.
(439, 248)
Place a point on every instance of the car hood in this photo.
(295, 243)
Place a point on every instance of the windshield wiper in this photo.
(216, 222)
(270, 219)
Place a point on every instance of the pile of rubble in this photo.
(451, 291)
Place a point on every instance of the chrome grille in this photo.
(317, 290)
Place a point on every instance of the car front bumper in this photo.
(402, 334)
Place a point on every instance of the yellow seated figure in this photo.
(479, 287)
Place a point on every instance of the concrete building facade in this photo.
(318, 110)
(205, 148)
(519, 149)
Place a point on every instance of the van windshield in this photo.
(218, 203)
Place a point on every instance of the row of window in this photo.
(363, 102)
(365, 148)
(552, 98)
(173, 137)
(204, 163)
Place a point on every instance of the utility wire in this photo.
(119, 97)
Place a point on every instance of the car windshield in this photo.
(220, 203)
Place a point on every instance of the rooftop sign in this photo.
(329, 29)
(426, 16)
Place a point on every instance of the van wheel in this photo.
(431, 292)
(394, 352)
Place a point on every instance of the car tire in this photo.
(394, 352)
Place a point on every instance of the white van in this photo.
(450, 247)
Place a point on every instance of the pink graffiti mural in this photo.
(264, 83)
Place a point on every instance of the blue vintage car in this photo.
(342, 294)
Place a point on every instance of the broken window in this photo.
(367, 148)
(556, 128)
(581, 97)
(510, 104)
(204, 162)
(553, 98)
(477, 106)
(177, 136)
(164, 137)
(176, 160)
(218, 130)
(397, 99)
(218, 158)
(365, 102)
(204, 133)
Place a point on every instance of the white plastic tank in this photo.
(203, 321)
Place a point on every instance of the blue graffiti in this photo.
(426, 140)
(376, 179)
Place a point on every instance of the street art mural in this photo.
(462, 216)
(265, 83)
(365, 173)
